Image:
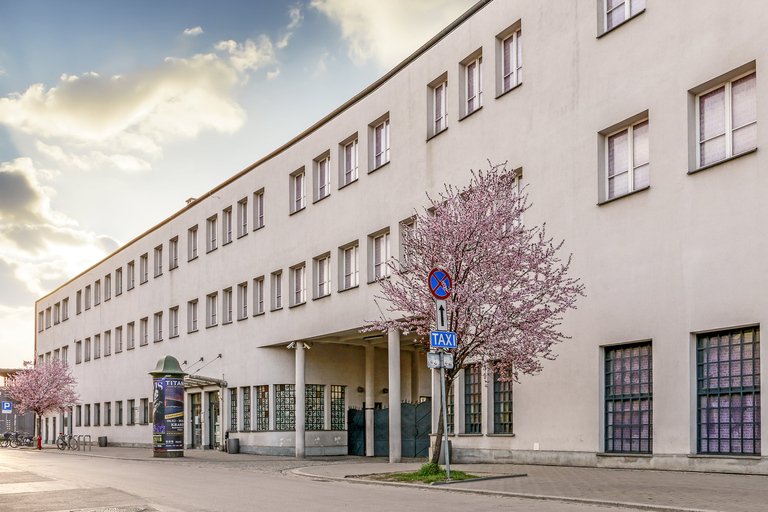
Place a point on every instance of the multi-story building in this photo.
(634, 128)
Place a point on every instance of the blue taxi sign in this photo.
(442, 339)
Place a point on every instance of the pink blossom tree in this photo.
(43, 388)
(509, 289)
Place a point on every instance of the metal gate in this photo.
(356, 432)
(416, 425)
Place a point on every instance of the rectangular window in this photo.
(226, 228)
(322, 276)
(119, 281)
(629, 399)
(727, 120)
(277, 290)
(298, 285)
(450, 408)
(107, 287)
(262, 407)
(246, 408)
(349, 271)
(192, 243)
(338, 408)
(48, 318)
(144, 331)
(627, 156)
(173, 322)
(473, 404)
(315, 404)
(97, 293)
(41, 321)
(65, 309)
(439, 108)
(78, 352)
(158, 326)
(144, 411)
(130, 334)
(258, 210)
(728, 383)
(285, 406)
(96, 415)
(118, 339)
(143, 268)
(107, 413)
(107, 343)
(242, 301)
(473, 85)
(322, 178)
(502, 406)
(380, 255)
(130, 276)
(192, 316)
(131, 412)
(87, 422)
(298, 192)
(380, 144)
(79, 302)
(233, 409)
(158, 260)
(511, 61)
(258, 296)
(350, 163)
(212, 227)
(242, 217)
(88, 297)
(226, 309)
(616, 12)
(97, 346)
(212, 307)
(56, 313)
(173, 253)
(118, 413)
(65, 355)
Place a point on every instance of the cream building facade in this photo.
(634, 126)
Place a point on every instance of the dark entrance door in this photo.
(416, 422)
(214, 424)
(196, 420)
(356, 432)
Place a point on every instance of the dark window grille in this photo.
(247, 408)
(337, 408)
(473, 406)
(728, 375)
(502, 405)
(629, 399)
(233, 409)
(315, 397)
(285, 406)
(262, 407)
(449, 412)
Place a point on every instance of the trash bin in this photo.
(233, 445)
(441, 460)
(102, 441)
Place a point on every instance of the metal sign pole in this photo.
(445, 418)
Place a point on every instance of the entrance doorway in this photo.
(196, 419)
(214, 423)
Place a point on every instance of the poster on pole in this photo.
(168, 411)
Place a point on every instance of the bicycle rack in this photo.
(81, 442)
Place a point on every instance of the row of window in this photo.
(102, 415)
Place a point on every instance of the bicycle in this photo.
(66, 441)
(23, 439)
(5, 440)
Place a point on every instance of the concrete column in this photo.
(415, 376)
(395, 425)
(301, 402)
(370, 398)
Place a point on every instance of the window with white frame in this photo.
(118, 339)
(56, 313)
(616, 12)
(258, 296)
(79, 302)
(511, 61)
(65, 355)
(226, 228)
(226, 309)
(627, 160)
(192, 243)
(258, 209)
(173, 253)
(78, 352)
(65, 309)
(48, 318)
(212, 309)
(349, 269)
(173, 322)
(322, 178)
(40, 321)
(349, 162)
(380, 146)
(143, 268)
(88, 297)
(212, 226)
(144, 331)
(298, 285)
(242, 301)
(158, 260)
(107, 343)
(242, 217)
(97, 293)
(379, 245)
(107, 287)
(298, 192)
(130, 335)
(439, 117)
(473, 85)
(97, 346)
(726, 120)
(158, 326)
(192, 316)
(323, 276)
(277, 289)
(129, 278)
(119, 281)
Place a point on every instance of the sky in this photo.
(112, 114)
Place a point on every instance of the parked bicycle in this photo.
(5, 440)
(66, 441)
(21, 439)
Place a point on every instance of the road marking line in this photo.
(45, 486)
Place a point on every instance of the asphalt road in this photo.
(49, 481)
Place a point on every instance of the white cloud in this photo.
(273, 74)
(193, 31)
(387, 32)
(296, 18)
(93, 159)
(15, 337)
(249, 55)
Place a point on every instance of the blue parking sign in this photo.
(7, 407)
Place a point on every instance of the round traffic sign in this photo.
(440, 283)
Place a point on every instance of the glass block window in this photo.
(473, 406)
(629, 399)
(315, 396)
(728, 375)
(450, 408)
(502, 406)
(233, 409)
(285, 406)
(247, 408)
(262, 407)
(337, 408)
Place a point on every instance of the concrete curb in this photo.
(356, 480)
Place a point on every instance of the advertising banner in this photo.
(168, 412)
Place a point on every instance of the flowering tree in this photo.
(43, 388)
(509, 287)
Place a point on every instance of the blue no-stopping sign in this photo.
(440, 283)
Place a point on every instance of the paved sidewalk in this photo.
(648, 489)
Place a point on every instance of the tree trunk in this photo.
(439, 435)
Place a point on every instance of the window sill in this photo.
(130, 348)
(226, 243)
(347, 184)
(294, 212)
(469, 435)
(258, 227)
(376, 280)
(620, 24)
(627, 454)
(322, 296)
(436, 134)
(129, 289)
(208, 251)
(478, 109)
(500, 435)
(158, 341)
(715, 456)
(297, 305)
(258, 314)
(173, 268)
(193, 330)
(144, 423)
(350, 288)
(623, 196)
(226, 323)
(509, 90)
(210, 326)
(116, 295)
(275, 309)
(321, 198)
(171, 337)
(118, 351)
(242, 235)
(143, 282)
(107, 299)
(379, 167)
(156, 276)
(734, 157)
(242, 318)
(107, 355)
(192, 259)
